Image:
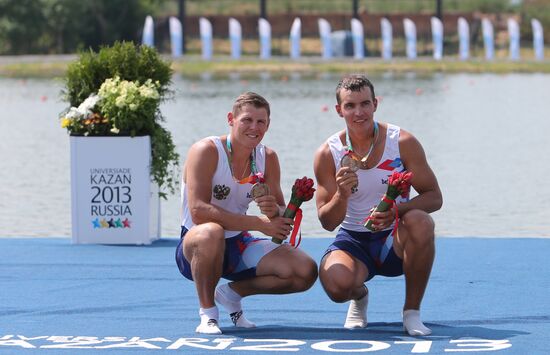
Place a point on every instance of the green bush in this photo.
(117, 92)
(123, 59)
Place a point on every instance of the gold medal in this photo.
(348, 161)
(362, 163)
(259, 189)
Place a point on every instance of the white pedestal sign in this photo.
(113, 199)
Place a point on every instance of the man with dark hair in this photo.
(221, 176)
(352, 169)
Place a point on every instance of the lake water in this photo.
(485, 137)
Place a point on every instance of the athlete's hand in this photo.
(278, 227)
(382, 220)
(346, 180)
(268, 205)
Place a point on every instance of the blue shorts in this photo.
(375, 250)
(242, 254)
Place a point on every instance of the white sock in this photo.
(412, 323)
(209, 321)
(357, 313)
(231, 301)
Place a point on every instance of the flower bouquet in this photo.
(302, 190)
(120, 107)
(399, 183)
(117, 92)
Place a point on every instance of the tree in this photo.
(21, 26)
(63, 26)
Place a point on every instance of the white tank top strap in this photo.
(336, 149)
(392, 140)
(223, 162)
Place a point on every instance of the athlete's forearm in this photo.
(333, 213)
(205, 213)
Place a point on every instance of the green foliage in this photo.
(64, 26)
(293, 7)
(164, 155)
(540, 10)
(21, 26)
(117, 92)
(123, 59)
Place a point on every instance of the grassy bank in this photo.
(192, 67)
(372, 66)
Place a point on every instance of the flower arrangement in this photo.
(119, 106)
(117, 92)
(399, 183)
(302, 191)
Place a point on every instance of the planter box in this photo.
(113, 198)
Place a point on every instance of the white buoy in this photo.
(463, 39)
(235, 37)
(176, 37)
(387, 38)
(410, 38)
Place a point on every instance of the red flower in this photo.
(399, 184)
(302, 190)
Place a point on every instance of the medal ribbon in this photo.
(252, 179)
(256, 176)
(296, 229)
(350, 147)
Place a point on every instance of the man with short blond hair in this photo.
(221, 176)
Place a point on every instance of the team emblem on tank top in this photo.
(221, 192)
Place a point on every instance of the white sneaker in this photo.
(412, 323)
(234, 308)
(209, 327)
(240, 321)
(357, 313)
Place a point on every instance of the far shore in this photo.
(193, 66)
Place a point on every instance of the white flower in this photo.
(84, 110)
(119, 101)
(73, 114)
(116, 95)
(148, 92)
(89, 103)
(109, 86)
(115, 130)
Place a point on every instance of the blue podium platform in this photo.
(486, 295)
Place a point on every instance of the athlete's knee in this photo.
(211, 233)
(204, 236)
(420, 226)
(305, 274)
(339, 290)
(338, 294)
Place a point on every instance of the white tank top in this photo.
(226, 192)
(373, 183)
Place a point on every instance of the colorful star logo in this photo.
(103, 223)
(96, 224)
